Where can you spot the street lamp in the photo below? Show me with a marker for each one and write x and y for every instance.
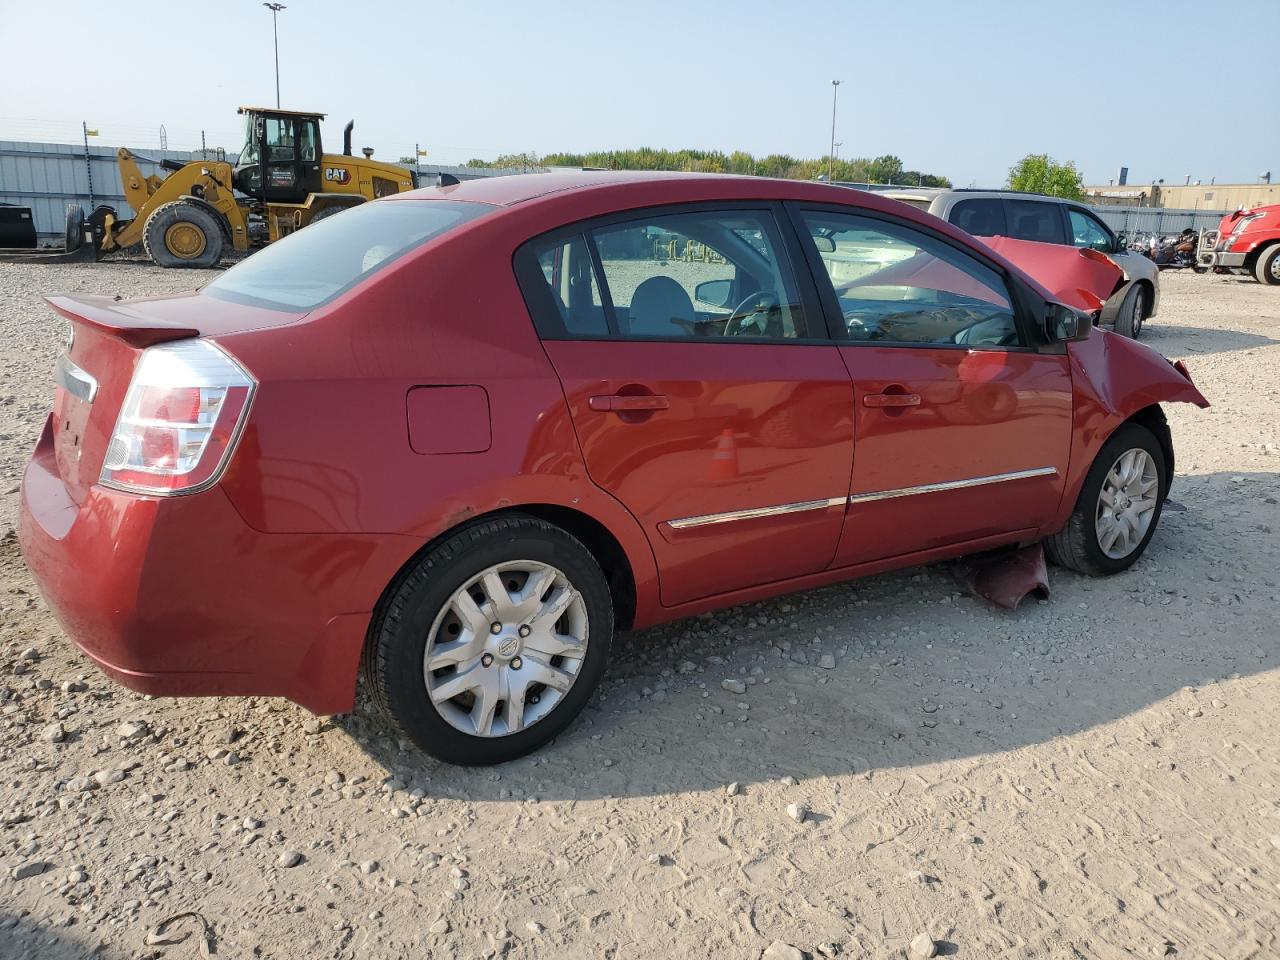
(275, 8)
(835, 88)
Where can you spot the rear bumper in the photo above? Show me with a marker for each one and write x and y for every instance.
(180, 597)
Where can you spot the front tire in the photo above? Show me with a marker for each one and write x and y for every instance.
(1118, 508)
(1132, 312)
(183, 234)
(492, 642)
(1267, 269)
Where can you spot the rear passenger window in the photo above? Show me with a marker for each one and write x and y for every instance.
(566, 268)
(706, 275)
(981, 217)
(1035, 220)
(897, 285)
(702, 275)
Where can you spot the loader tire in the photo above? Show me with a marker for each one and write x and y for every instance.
(183, 234)
(327, 212)
(74, 237)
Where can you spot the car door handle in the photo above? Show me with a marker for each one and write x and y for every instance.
(628, 402)
(891, 400)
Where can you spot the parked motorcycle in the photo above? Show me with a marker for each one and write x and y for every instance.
(1169, 251)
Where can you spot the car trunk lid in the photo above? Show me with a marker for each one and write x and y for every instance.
(108, 338)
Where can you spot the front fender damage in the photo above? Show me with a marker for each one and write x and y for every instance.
(1114, 380)
(1124, 376)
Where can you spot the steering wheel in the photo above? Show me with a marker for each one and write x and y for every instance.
(758, 302)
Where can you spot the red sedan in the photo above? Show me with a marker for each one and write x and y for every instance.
(458, 437)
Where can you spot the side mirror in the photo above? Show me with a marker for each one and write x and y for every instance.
(1122, 243)
(824, 244)
(1063, 324)
(714, 293)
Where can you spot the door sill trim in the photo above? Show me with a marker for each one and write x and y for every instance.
(951, 485)
(709, 519)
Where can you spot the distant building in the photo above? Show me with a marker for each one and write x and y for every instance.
(1201, 196)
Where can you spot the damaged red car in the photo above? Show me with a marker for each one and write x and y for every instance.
(459, 437)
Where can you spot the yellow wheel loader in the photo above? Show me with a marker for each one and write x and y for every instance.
(281, 182)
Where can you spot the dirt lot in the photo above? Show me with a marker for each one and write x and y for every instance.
(1093, 776)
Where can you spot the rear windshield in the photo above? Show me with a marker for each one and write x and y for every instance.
(309, 268)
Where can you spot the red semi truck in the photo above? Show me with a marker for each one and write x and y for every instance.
(1248, 242)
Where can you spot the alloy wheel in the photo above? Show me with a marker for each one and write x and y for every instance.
(506, 648)
(1127, 503)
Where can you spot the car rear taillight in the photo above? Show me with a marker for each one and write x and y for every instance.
(180, 419)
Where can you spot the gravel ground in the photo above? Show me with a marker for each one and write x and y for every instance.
(905, 768)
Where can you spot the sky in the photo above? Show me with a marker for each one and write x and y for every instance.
(953, 88)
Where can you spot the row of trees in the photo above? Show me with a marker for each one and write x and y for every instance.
(1034, 173)
(886, 169)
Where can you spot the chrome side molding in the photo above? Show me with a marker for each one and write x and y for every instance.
(952, 485)
(75, 381)
(805, 506)
(780, 510)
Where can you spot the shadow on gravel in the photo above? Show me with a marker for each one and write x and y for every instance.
(922, 671)
(21, 937)
(1204, 340)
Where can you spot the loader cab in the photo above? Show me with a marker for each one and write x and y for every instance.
(286, 145)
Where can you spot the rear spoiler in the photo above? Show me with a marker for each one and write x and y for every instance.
(107, 316)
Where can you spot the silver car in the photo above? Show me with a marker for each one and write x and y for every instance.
(1029, 216)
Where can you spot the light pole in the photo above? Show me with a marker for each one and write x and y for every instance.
(835, 88)
(275, 8)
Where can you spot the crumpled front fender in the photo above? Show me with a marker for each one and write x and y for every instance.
(1113, 380)
(1122, 376)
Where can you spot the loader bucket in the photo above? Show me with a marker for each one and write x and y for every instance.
(17, 227)
(79, 243)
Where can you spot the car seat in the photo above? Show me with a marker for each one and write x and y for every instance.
(656, 306)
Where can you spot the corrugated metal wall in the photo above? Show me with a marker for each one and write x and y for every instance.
(1160, 220)
(48, 176)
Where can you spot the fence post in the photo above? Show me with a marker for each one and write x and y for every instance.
(88, 164)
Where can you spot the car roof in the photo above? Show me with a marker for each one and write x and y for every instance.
(982, 194)
(535, 203)
(505, 191)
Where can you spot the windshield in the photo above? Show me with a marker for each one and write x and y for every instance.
(312, 266)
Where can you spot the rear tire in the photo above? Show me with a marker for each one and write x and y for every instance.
(74, 236)
(326, 213)
(1132, 312)
(183, 234)
(1267, 269)
(458, 633)
(1082, 545)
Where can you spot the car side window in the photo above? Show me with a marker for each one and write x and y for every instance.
(897, 285)
(980, 216)
(565, 265)
(1088, 232)
(707, 275)
(1035, 220)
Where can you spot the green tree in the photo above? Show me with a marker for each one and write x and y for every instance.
(1040, 173)
(886, 169)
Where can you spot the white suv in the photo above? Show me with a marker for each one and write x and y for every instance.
(1029, 216)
